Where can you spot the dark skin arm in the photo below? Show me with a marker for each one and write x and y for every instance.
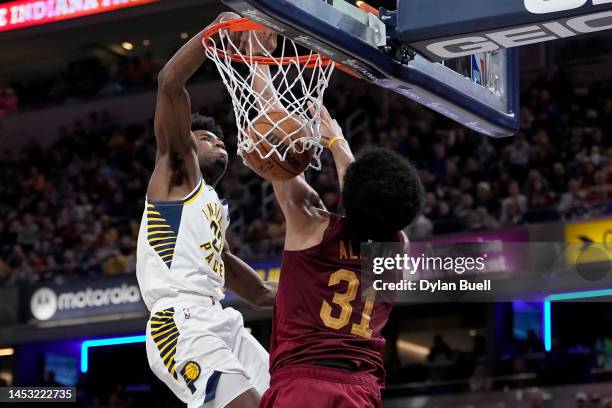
(241, 279)
(176, 165)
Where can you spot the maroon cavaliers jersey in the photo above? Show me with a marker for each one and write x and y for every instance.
(319, 312)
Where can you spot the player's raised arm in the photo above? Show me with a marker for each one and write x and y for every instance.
(176, 168)
(301, 206)
(333, 139)
(299, 202)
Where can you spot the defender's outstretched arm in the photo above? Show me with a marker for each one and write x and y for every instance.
(331, 133)
(296, 198)
(332, 137)
(299, 202)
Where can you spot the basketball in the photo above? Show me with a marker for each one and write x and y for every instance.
(271, 130)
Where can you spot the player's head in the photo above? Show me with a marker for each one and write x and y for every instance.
(212, 156)
(382, 194)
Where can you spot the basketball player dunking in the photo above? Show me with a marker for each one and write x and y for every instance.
(200, 350)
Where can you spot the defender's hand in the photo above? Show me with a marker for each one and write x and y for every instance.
(331, 132)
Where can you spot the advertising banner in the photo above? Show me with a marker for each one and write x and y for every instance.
(83, 298)
(27, 13)
(588, 234)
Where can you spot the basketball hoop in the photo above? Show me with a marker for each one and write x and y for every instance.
(291, 82)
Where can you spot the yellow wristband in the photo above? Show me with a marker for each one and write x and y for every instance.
(334, 140)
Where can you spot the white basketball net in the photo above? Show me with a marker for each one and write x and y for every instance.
(298, 83)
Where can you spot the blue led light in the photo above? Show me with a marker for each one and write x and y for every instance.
(112, 341)
(565, 296)
(547, 326)
(580, 295)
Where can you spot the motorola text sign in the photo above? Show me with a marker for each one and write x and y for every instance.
(84, 298)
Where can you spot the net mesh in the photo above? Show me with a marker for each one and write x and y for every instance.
(261, 85)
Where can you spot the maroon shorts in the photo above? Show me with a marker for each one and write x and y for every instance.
(308, 386)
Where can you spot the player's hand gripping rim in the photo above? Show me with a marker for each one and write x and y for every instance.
(249, 42)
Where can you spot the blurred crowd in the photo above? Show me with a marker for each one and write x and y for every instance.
(78, 81)
(558, 167)
(82, 80)
(75, 206)
(8, 101)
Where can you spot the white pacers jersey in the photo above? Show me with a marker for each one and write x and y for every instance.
(179, 249)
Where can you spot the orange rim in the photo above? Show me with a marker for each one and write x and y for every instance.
(244, 24)
(367, 8)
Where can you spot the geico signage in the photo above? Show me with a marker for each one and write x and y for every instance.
(554, 6)
(46, 303)
(514, 37)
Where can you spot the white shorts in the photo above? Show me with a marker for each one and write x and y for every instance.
(205, 355)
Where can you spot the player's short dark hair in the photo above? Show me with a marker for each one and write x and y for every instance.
(201, 122)
(382, 194)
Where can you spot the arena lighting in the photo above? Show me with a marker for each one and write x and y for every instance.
(9, 351)
(561, 297)
(127, 45)
(547, 327)
(146, 43)
(112, 341)
(184, 36)
(412, 348)
(28, 13)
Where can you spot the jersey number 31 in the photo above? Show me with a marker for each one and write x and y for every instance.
(344, 300)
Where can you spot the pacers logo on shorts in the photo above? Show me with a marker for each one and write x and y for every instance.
(191, 372)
